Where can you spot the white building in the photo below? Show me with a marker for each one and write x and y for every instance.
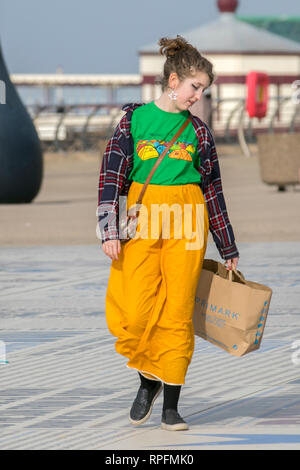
(235, 48)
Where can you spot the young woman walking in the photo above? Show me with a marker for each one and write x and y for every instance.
(153, 279)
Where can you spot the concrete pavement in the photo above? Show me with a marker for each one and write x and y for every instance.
(64, 386)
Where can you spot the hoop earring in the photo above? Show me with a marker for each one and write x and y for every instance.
(172, 95)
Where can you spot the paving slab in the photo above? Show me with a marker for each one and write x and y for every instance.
(65, 387)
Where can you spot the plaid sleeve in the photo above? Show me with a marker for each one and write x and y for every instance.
(220, 226)
(112, 181)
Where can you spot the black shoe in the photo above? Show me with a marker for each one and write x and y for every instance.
(172, 421)
(143, 403)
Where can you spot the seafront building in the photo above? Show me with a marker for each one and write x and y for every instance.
(235, 45)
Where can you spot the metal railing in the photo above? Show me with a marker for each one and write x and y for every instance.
(80, 130)
(226, 116)
(277, 118)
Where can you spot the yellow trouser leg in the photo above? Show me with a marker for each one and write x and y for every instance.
(151, 292)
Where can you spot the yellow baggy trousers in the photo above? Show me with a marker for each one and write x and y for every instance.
(151, 289)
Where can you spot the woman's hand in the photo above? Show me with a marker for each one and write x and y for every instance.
(112, 248)
(232, 263)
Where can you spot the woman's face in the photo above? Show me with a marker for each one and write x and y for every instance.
(190, 89)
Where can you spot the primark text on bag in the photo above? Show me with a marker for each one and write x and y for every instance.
(230, 311)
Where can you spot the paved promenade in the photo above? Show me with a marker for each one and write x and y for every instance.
(65, 387)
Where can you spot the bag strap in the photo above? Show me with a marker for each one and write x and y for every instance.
(237, 273)
(163, 154)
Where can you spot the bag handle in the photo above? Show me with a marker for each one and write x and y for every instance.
(162, 155)
(239, 275)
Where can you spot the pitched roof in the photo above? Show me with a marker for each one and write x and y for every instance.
(286, 26)
(228, 34)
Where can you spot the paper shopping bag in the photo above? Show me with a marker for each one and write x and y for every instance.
(230, 311)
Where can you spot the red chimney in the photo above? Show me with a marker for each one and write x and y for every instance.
(227, 6)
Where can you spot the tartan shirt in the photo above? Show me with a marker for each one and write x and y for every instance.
(117, 164)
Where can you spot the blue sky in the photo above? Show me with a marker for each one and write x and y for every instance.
(99, 36)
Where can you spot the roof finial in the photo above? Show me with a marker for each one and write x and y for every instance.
(227, 6)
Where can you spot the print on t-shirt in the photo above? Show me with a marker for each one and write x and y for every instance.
(147, 149)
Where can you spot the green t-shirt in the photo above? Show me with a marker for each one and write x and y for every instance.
(151, 129)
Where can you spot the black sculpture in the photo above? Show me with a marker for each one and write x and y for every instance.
(21, 159)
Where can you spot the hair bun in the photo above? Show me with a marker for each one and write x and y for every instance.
(170, 47)
(183, 59)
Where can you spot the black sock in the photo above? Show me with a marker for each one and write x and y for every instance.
(171, 396)
(147, 383)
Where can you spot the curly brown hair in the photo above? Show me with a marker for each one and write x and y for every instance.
(182, 58)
